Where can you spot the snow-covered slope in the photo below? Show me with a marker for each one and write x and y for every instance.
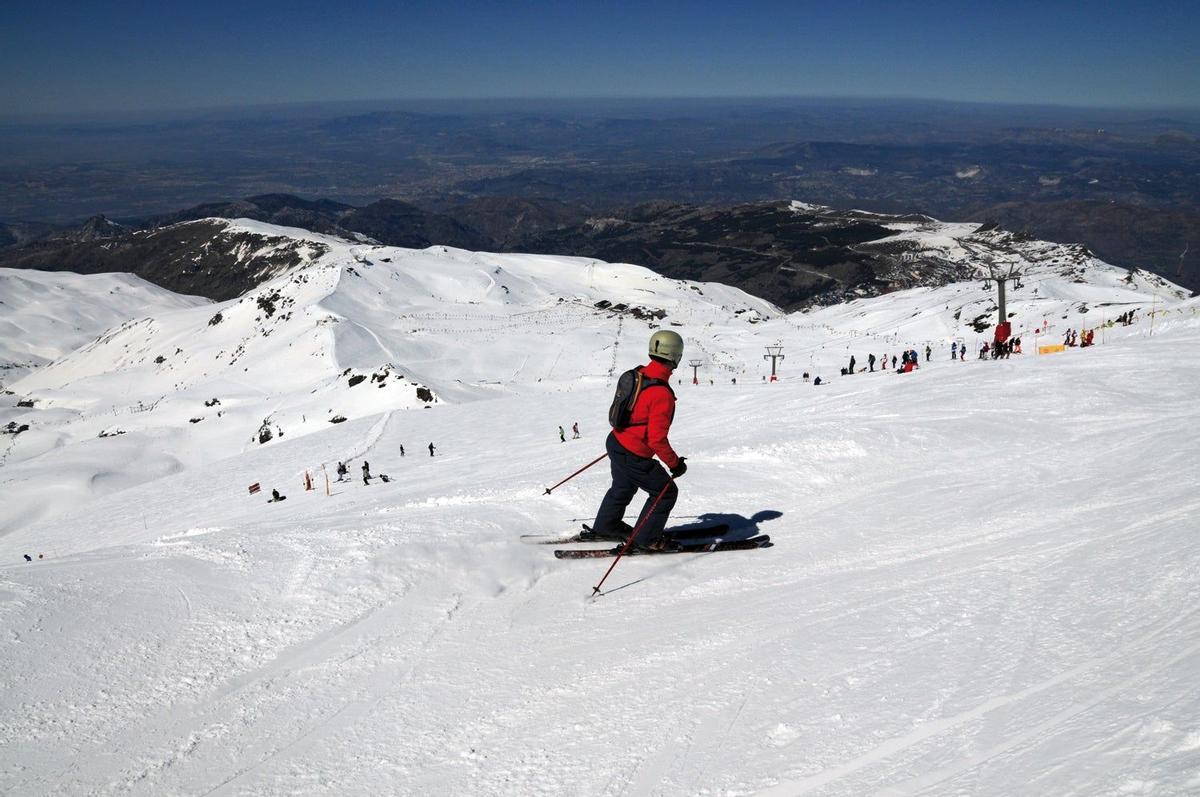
(359, 329)
(984, 581)
(45, 315)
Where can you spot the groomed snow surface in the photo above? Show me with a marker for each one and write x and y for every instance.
(985, 579)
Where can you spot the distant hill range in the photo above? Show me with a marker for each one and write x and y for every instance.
(793, 254)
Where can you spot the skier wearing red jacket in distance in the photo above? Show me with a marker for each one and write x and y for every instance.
(631, 452)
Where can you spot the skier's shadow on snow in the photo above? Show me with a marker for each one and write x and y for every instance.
(740, 526)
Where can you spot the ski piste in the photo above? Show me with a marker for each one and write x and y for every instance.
(699, 547)
(701, 532)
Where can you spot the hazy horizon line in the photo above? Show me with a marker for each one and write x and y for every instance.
(50, 117)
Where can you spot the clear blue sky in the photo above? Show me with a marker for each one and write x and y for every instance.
(103, 55)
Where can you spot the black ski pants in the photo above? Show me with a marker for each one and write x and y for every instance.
(629, 474)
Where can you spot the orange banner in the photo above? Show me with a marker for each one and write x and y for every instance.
(1054, 349)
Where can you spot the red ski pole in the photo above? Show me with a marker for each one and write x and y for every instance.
(573, 475)
(632, 536)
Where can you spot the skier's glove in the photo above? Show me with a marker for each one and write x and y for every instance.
(679, 469)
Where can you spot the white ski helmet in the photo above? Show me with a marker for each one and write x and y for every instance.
(667, 345)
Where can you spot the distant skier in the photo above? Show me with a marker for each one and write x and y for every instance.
(342, 471)
(962, 353)
(817, 381)
(928, 353)
(276, 497)
(366, 472)
(893, 361)
(575, 430)
(641, 416)
(954, 351)
(431, 449)
(402, 449)
(850, 370)
(983, 351)
(871, 362)
(562, 436)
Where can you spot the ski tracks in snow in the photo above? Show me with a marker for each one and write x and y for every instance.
(1090, 670)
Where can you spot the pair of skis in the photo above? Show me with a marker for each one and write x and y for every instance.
(695, 540)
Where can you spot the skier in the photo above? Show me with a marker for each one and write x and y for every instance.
(850, 370)
(575, 430)
(402, 449)
(431, 449)
(366, 472)
(893, 361)
(983, 351)
(633, 446)
(562, 436)
(928, 353)
(871, 362)
(962, 352)
(342, 471)
(954, 351)
(276, 497)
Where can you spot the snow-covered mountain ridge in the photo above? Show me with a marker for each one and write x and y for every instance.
(46, 315)
(353, 329)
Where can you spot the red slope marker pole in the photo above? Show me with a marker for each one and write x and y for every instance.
(632, 536)
(573, 475)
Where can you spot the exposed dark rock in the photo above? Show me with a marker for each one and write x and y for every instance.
(201, 258)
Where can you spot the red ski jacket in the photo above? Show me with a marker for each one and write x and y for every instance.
(650, 421)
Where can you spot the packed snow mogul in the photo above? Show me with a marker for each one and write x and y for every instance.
(641, 416)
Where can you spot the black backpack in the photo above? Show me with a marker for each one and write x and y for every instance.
(629, 387)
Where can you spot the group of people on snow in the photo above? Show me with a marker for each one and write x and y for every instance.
(1000, 350)
(1080, 338)
(906, 361)
(562, 435)
(343, 470)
